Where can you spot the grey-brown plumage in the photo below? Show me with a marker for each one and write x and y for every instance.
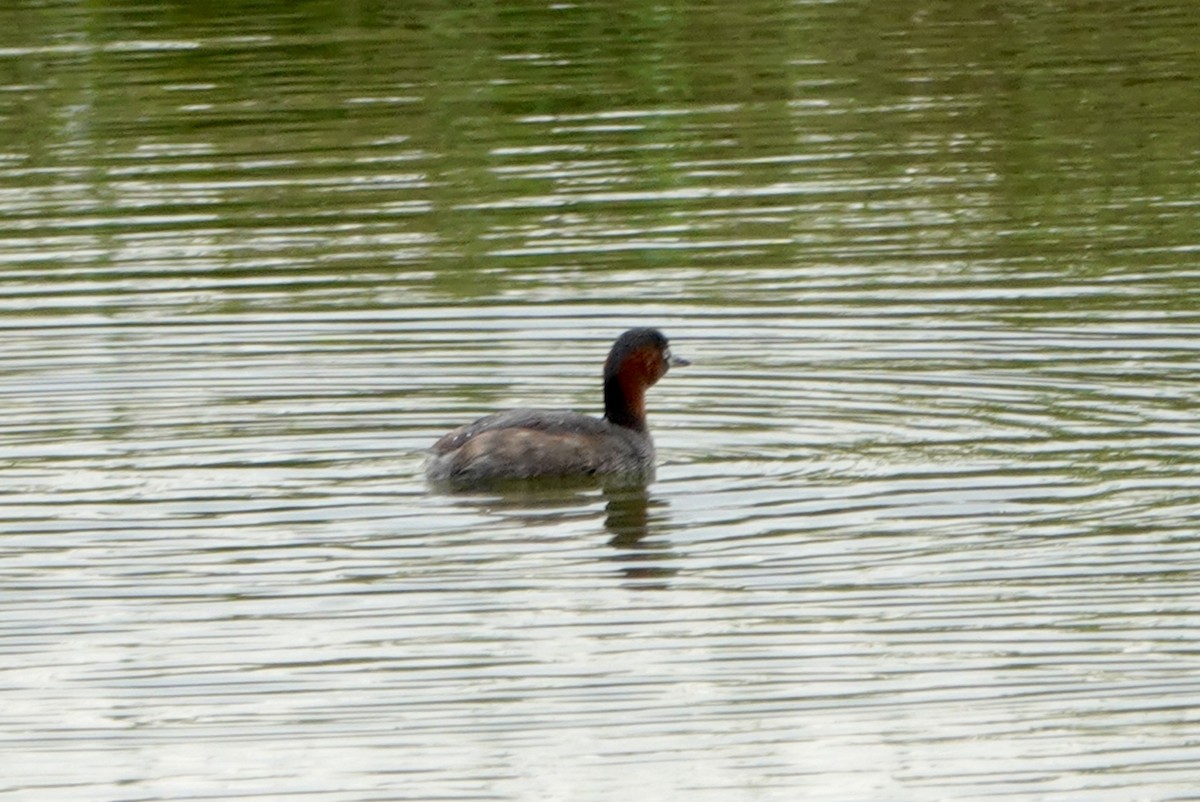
(533, 443)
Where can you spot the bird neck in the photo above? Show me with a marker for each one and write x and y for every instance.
(625, 401)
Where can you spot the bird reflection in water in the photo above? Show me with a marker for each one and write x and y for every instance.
(629, 518)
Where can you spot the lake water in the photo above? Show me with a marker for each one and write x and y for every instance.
(926, 518)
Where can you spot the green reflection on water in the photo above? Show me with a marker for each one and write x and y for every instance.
(457, 150)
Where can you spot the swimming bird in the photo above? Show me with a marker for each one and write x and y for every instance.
(524, 444)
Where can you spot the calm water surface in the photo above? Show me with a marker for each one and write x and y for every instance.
(926, 518)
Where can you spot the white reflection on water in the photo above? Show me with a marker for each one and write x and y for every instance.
(858, 578)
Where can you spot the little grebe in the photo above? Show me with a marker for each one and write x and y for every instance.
(538, 443)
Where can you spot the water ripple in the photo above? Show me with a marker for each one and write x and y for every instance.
(924, 520)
